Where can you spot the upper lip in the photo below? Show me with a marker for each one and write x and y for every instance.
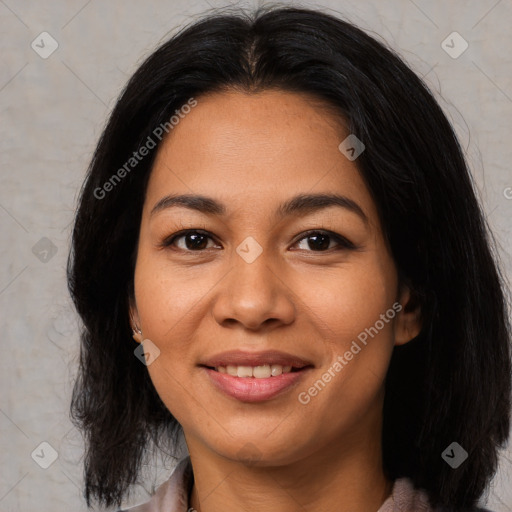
(241, 358)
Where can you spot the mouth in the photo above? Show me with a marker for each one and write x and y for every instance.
(259, 362)
(255, 377)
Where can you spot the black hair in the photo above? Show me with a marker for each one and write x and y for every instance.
(451, 383)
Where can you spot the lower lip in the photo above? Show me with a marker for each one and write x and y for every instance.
(250, 389)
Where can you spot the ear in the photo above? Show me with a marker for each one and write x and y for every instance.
(408, 320)
(135, 321)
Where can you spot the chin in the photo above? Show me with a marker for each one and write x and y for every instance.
(261, 453)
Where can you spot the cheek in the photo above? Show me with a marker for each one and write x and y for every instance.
(170, 303)
(167, 325)
(168, 298)
(343, 303)
(353, 312)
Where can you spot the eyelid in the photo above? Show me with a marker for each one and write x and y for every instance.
(340, 239)
(343, 242)
(169, 240)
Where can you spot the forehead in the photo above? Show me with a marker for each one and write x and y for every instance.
(256, 149)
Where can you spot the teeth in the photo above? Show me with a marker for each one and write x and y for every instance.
(232, 370)
(262, 372)
(258, 372)
(244, 371)
(276, 369)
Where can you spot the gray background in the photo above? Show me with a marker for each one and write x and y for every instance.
(52, 113)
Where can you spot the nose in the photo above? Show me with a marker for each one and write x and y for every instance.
(255, 296)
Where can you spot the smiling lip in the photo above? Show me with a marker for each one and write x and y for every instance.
(251, 389)
(241, 358)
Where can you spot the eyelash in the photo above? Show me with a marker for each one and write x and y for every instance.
(344, 244)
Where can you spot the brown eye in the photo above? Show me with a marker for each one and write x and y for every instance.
(320, 241)
(192, 240)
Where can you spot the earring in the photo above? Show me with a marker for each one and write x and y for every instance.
(137, 334)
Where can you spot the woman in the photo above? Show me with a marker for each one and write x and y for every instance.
(281, 213)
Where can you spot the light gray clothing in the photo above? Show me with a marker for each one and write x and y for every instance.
(172, 495)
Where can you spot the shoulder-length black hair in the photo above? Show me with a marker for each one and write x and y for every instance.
(451, 383)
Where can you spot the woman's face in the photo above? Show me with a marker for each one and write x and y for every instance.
(254, 282)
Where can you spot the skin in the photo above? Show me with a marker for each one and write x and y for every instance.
(253, 152)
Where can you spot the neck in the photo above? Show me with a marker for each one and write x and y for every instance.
(341, 478)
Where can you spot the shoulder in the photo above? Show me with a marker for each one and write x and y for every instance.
(172, 494)
(405, 496)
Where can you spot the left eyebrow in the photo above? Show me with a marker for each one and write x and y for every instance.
(309, 203)
(301, 204)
